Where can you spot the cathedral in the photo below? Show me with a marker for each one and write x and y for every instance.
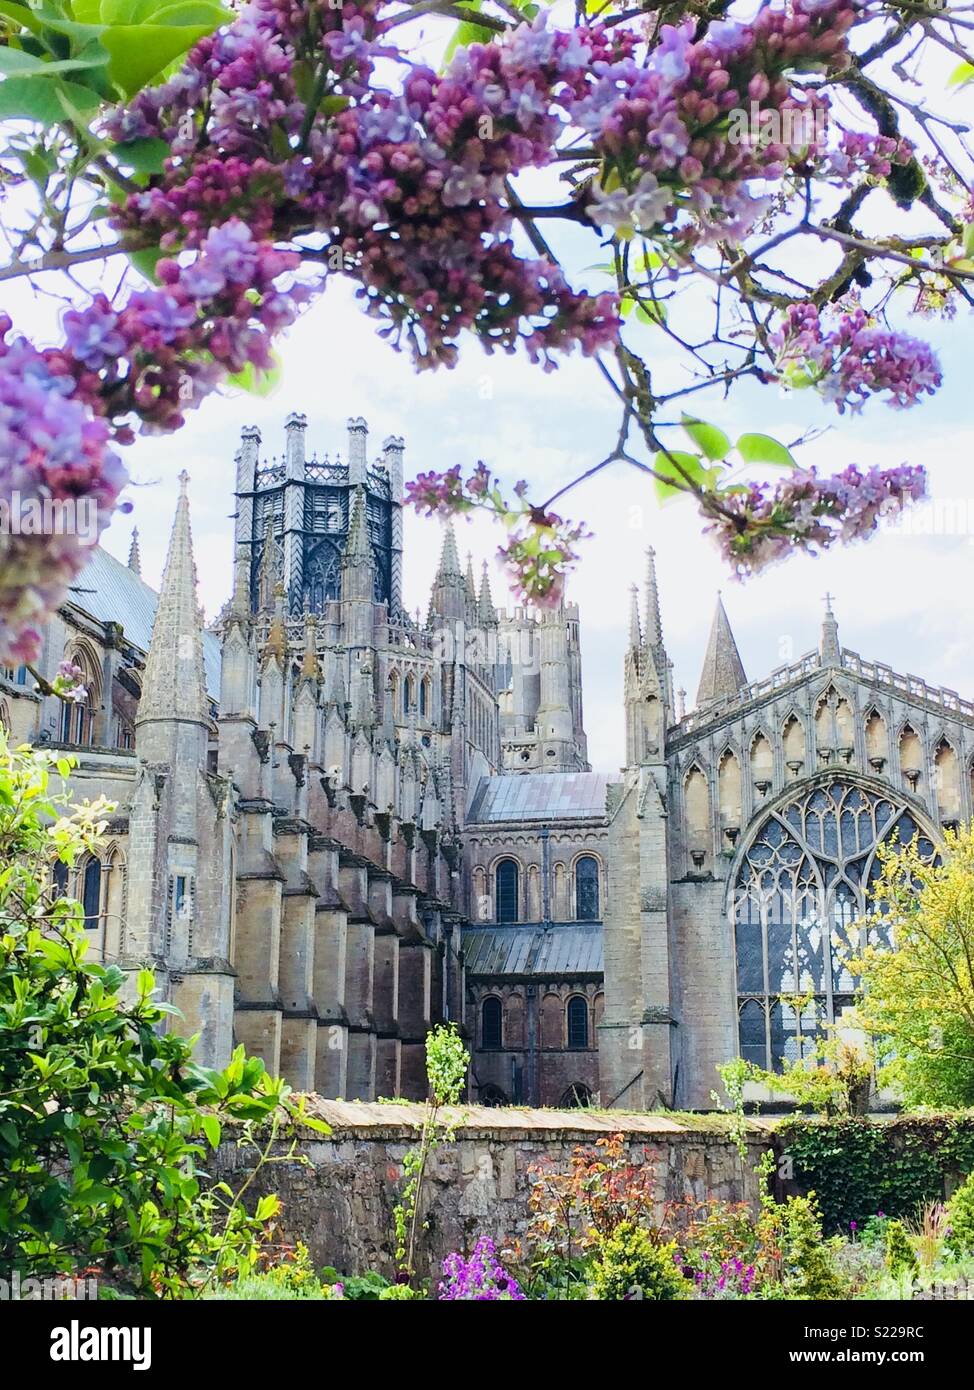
(336, 825)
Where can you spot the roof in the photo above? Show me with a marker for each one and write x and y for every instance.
(112, 593)
(558, 948)
(539, 796)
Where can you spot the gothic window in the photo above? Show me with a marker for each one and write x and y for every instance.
(492, 1095)
(424, 697)
(577, 1021)
(59, 877)
(91, 892)
(322, 579)
(587, 889)
(491, 1023)
(802, 885)
(507, 890)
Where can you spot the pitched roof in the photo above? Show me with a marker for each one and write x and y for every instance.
(560, 948)
(110, 592)
(539, 796)
(723, 671)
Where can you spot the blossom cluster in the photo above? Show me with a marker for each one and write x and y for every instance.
(481, 1278)
(764, 523)
(540, 551)
(52, 448)
(662, 126)
(853, 359)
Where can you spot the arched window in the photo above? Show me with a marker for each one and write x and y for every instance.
(77, 716)
(507, 891)
(587, 889)
(91, 893)
(424, 697)
(803, 882)
(492, 1095)
(492, 1023)
(577, 1021)
(59, 878)
(576, 1097)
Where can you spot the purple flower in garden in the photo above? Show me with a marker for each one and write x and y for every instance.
(481, 1278)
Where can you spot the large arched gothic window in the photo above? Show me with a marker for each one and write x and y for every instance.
(803, 882)
(587, 889)
(507, 890)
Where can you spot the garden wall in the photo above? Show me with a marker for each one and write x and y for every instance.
(339, 1192)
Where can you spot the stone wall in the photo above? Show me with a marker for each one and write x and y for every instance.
(338, 1192)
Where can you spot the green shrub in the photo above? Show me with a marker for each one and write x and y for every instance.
(105, 1119)
(900, 1256)
(630, 1264)
(398, 1292)
(794, 1253)
(960, 1220)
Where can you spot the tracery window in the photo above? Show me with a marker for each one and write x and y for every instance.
(803, 882)
(492, 1023)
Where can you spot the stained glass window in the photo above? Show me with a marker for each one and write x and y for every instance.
(801, 889)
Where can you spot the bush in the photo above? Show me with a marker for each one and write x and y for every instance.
(104, 1118)
(858, 1167)
(794, 1254)
(960, 1220)
(630, 1264)
(900, 1257)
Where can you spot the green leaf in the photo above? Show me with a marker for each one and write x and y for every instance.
(257, 383)
(466, 33)
(142, 156)
(211, 1128)
(761, 448)
(38, 98)
(961, 75)
(139, 52)
(693, 469)
(22, 15)
(712, 441)
(14, 60)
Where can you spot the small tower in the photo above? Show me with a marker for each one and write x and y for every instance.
(647, 675)
(135, 558)
(830, 651)
(723, 671)
(448, 598)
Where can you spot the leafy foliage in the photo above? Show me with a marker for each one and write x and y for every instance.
(960, 1219)
(858, 1167)
(919, 998)
(629, 1264)
(105, 1120)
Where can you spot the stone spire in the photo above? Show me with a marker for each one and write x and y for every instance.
(654, 628)
(831, 652)
(267, 573)
(486, 611)
(174, 689)
(470, 588)
(309, 661)
(449, 556)
(723, 671)
(135, 558)
(635, 632)
(449, 598)
(357, 550)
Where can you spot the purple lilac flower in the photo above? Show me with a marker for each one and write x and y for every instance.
(481, 1278)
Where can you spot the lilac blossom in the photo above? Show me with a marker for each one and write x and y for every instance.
(481, 1278)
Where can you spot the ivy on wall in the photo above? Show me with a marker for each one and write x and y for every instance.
(859, 1167)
